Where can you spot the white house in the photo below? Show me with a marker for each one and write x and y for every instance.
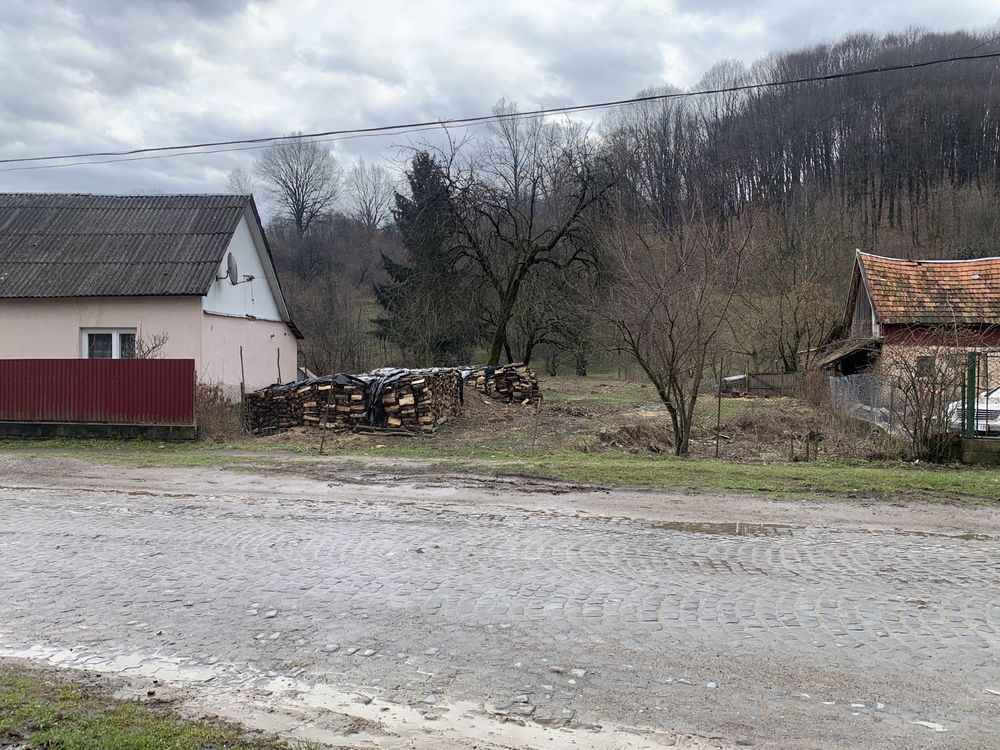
(106, 275)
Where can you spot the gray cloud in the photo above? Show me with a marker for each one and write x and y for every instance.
(116, 74)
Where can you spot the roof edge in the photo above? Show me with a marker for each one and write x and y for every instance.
(860, 254)
(245, 197)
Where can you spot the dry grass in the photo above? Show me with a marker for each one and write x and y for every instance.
(589, 415)
(218, 415)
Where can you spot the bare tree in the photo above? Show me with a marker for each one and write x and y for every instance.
(150, 346)
(302, 178)
(673, 295)
(924, 379)
(240, 183)
(792, 302)
(372, 191)
(521, 199)
(340, 337)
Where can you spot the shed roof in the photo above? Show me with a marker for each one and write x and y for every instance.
(73, 245)
(933, 292)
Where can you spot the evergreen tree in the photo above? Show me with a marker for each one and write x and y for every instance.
(427, 308)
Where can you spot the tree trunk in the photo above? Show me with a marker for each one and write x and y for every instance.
(550, 363)
(581, 364)
(499, 343)
(528, 349)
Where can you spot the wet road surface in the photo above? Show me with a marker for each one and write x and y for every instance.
(761, 634)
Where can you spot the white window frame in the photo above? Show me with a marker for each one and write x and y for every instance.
(116, 352)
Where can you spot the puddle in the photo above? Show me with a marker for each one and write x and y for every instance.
(966, 537)
(780, 529)
(728, 529)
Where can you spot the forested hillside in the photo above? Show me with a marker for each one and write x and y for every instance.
(674, 233)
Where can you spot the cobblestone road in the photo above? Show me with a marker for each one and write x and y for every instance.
(757, 633)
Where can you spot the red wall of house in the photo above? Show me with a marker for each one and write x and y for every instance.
(931, 336)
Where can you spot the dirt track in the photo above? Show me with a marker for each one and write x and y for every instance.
(363, 608)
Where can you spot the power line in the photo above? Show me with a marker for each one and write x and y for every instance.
(175, 154)
(332, 135)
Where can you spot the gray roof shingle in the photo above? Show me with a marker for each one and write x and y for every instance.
(70, 245)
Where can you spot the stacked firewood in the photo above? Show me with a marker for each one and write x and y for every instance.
(421, 399)
(339, 404)
(510, 383)
(384, 399)
(274, 408)
(394, 399)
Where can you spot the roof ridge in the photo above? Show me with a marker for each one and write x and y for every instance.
(137, 196)
(920, 261)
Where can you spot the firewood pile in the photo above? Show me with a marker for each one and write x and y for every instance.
(277, 407)
(417, 399)
(413, 400)
(336, 403)
(510, 383)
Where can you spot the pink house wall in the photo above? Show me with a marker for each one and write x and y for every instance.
(50, 328)
(262, 340)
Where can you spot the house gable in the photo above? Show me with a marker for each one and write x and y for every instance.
(256, 293)
(861, 320)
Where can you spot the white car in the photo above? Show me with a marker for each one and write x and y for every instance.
(987, 413)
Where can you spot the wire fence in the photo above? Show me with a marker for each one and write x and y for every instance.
(922, 394)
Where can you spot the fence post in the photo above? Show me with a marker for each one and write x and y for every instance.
(718, 412)
(970, 394)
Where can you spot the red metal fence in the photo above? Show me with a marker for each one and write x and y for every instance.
(113, 391)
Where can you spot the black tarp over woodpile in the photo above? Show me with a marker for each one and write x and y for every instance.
(389, 398)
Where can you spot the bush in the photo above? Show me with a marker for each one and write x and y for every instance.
(217, 412)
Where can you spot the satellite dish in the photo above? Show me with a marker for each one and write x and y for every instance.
(232, 273)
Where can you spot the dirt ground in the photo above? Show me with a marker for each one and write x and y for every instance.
(590, 414)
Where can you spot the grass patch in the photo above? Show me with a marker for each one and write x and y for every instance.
(574, 437)
(888, 481)
(147, 452)
(44, 713)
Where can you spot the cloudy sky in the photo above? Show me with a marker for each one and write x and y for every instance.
(96, 75)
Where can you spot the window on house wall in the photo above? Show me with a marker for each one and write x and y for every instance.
(925, 367)
(107, 343)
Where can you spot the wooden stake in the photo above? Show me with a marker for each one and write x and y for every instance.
(718, 411)
(243, 393)
(326, 413)
(534, 429)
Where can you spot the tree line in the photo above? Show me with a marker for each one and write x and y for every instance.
(682, 234)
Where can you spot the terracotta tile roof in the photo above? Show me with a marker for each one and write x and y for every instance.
(965, 292)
